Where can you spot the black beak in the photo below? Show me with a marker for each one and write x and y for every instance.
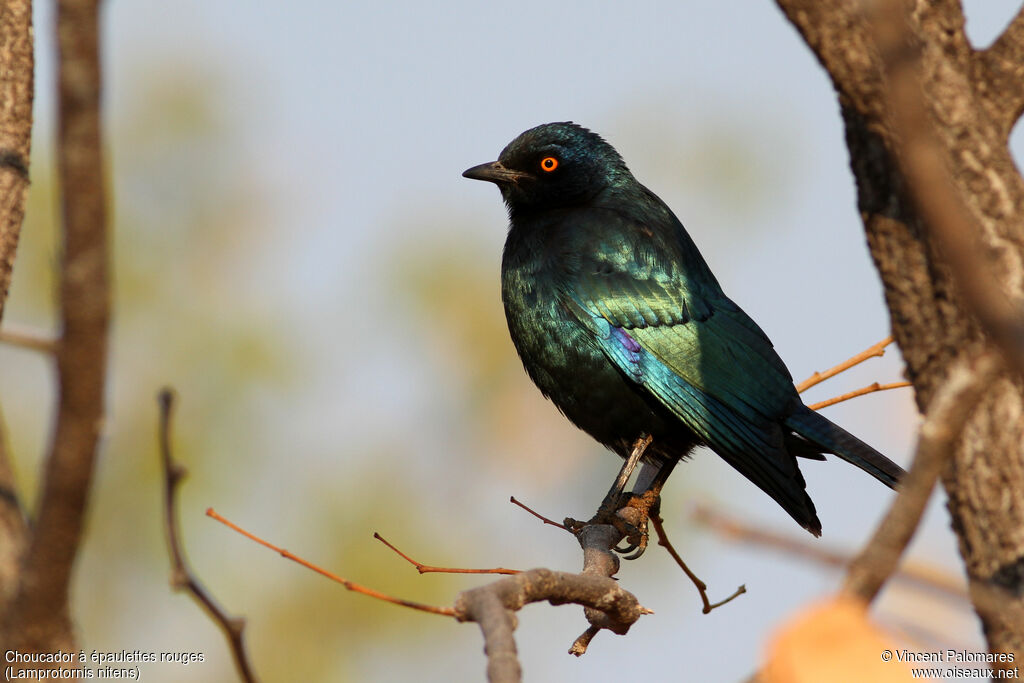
(494, 172)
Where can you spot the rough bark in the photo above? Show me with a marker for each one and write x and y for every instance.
(16, 93)
(973, 99)
(38, 618)
(16, 90)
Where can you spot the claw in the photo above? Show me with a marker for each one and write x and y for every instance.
(640, 545)
(639, 551)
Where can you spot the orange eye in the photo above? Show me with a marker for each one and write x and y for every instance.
(548, 164)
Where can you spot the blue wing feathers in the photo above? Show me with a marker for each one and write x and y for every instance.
(674, 333)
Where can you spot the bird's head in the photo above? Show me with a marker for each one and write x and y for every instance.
(551, 166)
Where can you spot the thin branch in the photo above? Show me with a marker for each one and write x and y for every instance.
(606, 604)
(872, 351)
(944, 421)
(16, 94)
(182, 576)
(31, 340)
(940, 202)
(430, 569)
(580, 646)
(869, 389)
(38, 619)
(940, 583)
(512, 499)
(702, 588)
(349, 585)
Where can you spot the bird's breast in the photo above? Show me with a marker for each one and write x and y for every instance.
(565, 362)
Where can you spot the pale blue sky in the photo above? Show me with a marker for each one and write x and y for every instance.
(361, 117)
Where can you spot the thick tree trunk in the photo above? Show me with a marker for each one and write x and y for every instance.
(973, 98)
(37, 618)
(16, 92)
(16, 89)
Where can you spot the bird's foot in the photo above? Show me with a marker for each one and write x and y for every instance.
(629, 514)
(638, 510)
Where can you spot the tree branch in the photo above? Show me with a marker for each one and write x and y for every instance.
(17, 89)
(349, 585)
(28, 339)
(873, 351)
(920, 188)
(923, 577)
(512, 499)
(182, 576)
(702, 588)
(431, 569)
(606, 604)
(16, 93)
(863, 391)
(944, 422)
(39, 618)
(493, 606)
(938, 199)
(1002, 64)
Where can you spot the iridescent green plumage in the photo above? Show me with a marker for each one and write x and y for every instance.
(620, 322)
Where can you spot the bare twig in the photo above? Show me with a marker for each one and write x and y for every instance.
(580, 645)
(349, 585)
(869, 389)
(702, 588)
(31, 340)
(944, 421)
(182, 576)
(493, 606)
(924, 163)
(872, 351)
(38, 619)
(940, 583)
(16, 93)
(512, 499)
(429, 569)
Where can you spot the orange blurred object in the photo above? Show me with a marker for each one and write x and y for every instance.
(834, 642)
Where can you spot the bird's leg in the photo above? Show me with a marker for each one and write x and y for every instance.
(612, 501)
(632, 525)
(646, 499)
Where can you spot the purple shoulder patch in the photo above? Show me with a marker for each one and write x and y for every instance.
(623, 338)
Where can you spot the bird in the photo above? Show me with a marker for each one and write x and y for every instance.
(619, 321)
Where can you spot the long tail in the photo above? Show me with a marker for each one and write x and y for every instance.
(832, 438)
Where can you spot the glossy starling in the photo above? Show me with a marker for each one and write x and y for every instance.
(620, 322)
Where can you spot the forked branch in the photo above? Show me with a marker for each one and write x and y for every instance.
(430, 569)
(182, 576)
(873, 351)
(493, 606)
(38, 618)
